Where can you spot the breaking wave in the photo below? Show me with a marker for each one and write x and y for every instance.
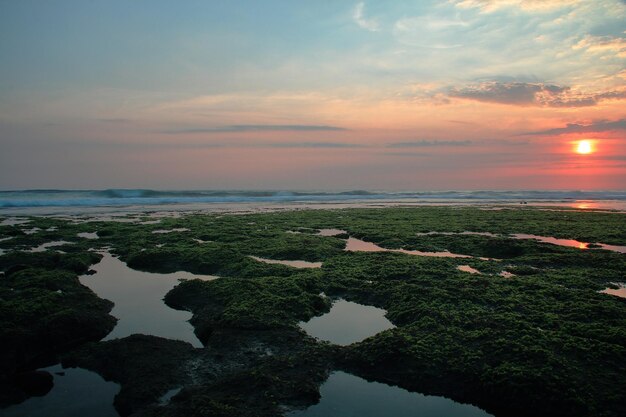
(128, 197)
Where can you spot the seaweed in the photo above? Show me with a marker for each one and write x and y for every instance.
(543, 338)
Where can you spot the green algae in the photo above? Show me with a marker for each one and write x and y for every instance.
(45, 311)
(544, 337)
(263, 303)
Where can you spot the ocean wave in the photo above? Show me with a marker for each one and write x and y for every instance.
(124, 197)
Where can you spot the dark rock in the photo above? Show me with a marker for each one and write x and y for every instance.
(15, 268)
(35, 383)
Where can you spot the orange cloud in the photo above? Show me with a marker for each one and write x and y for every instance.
(603, 44)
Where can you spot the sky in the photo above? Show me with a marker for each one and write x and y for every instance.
(313, 95)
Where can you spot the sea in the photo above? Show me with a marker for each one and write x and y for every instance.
(27, 202)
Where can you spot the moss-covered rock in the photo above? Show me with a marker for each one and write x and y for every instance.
(44, 311)
(543, 339)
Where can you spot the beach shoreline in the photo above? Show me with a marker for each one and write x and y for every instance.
(174, 209)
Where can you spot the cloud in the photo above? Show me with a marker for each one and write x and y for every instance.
(584, 100)
(488, 6)
(613, 158)
(256, 128)
(615, 46)
(429, 143)
(318, 145)
(507, 93)
(312, 145)
(115, 120)
(430, 31)
(358, 15)
(207, 144)
(532, 94)
(600, 126)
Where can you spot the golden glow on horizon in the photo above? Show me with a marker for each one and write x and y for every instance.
(583, 205)
(584, 147)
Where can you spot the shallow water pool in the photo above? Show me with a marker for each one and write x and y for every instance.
(619, 292)
(76, 392)
(294, 264)
(345, 395)
(44, 247)
(358, 245)
(569, 242)
(347, 323)
(331, 232)
(138, 298)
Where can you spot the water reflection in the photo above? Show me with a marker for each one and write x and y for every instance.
(347, 395)
(466, 233)
(138, 300)
(166, 231)
(585, 205)
(619, 292)
(347, 323)
(331, 232)
(165, 398)
(200, 241)
(87, 235)
(14, 221)
(358, 245)
(294, 264)
(76, 393)
(554, 241)
(569, 242)
(44, 247)
(467, 268)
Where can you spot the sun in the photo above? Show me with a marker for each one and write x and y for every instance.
(584, 147)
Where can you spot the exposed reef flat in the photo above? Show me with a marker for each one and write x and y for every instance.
(44, 311)
(542, 339)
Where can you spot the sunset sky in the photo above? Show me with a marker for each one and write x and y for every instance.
(395, 95)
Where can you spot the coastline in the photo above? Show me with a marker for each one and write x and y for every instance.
(259, 207)
(74, 202)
